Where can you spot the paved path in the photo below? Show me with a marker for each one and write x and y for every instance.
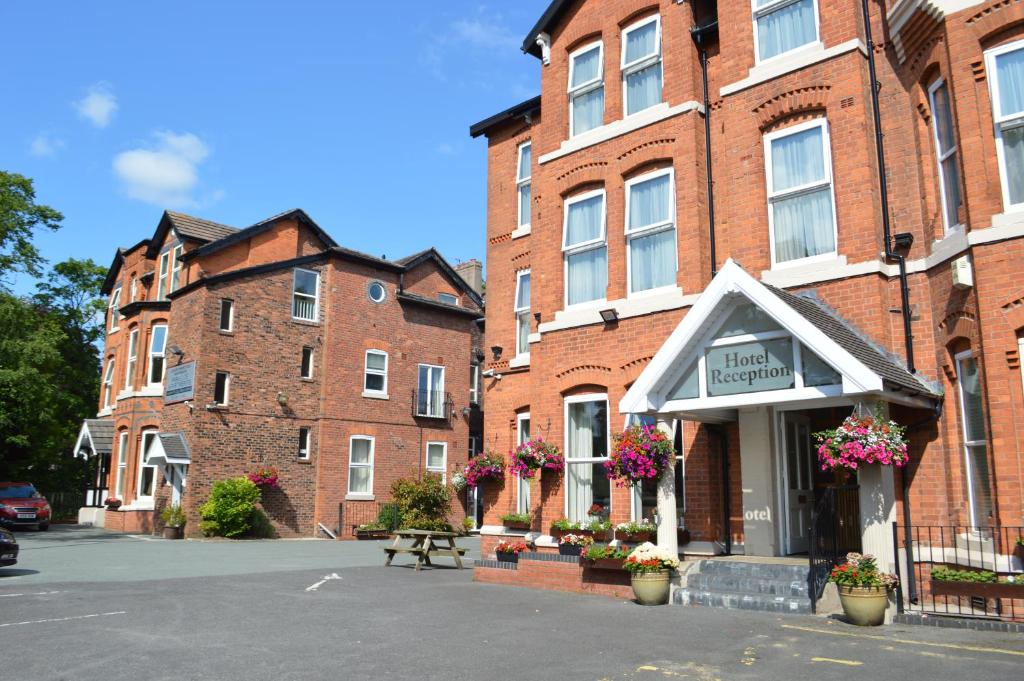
(342, 616)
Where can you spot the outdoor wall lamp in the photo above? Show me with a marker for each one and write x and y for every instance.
(175, 350)
(496, 351)
(282, 399)
(903, 240)
(610, 316)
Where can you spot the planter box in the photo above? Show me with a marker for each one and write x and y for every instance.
(605, 564)
(639, 538)
(516, 526)
(174, 533)
(979, 589)
(568, 550)
(506, 557)
(372, 534)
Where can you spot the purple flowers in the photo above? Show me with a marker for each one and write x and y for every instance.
(490, 466)
(533, 455)
(640, 453)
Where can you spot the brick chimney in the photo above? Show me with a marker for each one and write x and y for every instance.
(473, 272)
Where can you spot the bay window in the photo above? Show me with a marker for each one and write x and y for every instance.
(375, 377)
(522, 312)
(133, 358)
(147, 471)
(1005, 67)
(641, 65)
(781, 26)
(122, 464)
(801, 213)
(650, 231)
(523, 174)
(360, 464)
(586, 88)
(430, 397)
(108, 383)
(972, 418)
(586, 450)
(945, 148)
(585, 247)
(305, 295)
(157, 345)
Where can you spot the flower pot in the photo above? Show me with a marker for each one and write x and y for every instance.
(638, 538)
(569, 550)
(506, 557)
(512, 525)
(174, 532)
(977, 589)
(864, 605)
(651, 588)
(605, 564)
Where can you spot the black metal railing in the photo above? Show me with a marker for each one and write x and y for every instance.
(990, 549)
(432, 404)
(832, 535)
(352, 514)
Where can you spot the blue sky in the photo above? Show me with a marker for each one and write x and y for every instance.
(234, 111)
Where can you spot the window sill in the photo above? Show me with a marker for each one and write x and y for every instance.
(106, 411)
(303, 459)
(360, 497)
(669, 299)
(519, 361)
(226, 333)
(787, 63)
(520, 232)
(307, 379)
(371, 395)
(305, 322)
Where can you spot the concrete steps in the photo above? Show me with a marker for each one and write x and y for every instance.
(743, 585)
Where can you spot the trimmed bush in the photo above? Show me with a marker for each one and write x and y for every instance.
(423, 504)
(230, 510)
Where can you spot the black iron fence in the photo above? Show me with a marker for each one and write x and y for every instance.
(831, 535)
(432, 404)
(962, 570)
(353, 514)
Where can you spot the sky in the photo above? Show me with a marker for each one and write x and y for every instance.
(357, 112)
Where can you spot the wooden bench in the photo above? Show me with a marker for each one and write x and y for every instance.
(424, 545)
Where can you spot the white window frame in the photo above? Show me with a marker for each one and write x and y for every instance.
(162, 354)
(522, 314)
(316, 296)
(443, 470)
(373, 444)
(448, 298)
(227, 388)
(523, 182)
(1000, 121)
(140, 498)
(163, 275)
(641, 63)
(474, 384)
(176, 268)
(115, 303)
(108, 382)
(582, 247)
(121, 476)
(307, 372)
(303, 453)
(826, 142)
(133, 357)
(367, 392)
(231, 315)
(133, 289)
(771, 7)
(941, 156)
(523, 501)
(587, 87)
(648, 230)
(432, 389)
(576, 399)
(968, 444)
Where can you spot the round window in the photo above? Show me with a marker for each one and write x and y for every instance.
(377, 292)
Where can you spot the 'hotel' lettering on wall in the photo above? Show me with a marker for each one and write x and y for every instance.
(750, 367)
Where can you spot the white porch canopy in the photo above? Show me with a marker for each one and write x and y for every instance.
(170, 451)
(96, 436)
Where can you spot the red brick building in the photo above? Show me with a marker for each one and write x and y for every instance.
(698, 183)
(229, 349)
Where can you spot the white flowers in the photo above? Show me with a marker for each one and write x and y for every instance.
(648, 551)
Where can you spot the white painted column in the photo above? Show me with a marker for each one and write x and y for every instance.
(877, 514)
(667, 537)
(760, 531)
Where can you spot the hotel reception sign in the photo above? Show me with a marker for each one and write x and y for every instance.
(180, 383)
(750, 367)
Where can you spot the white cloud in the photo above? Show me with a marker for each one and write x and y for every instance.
(483, 33)
(44, 145)
(98, 105)
(165, 173)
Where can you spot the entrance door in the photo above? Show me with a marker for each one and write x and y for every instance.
(798, 465)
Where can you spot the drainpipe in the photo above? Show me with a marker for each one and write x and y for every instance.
(699, 34)
(902, 240)
(908, 539)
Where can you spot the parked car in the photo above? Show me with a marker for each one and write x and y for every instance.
(8, 548)
(22, 506)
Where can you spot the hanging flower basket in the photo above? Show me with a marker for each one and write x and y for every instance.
(862, 440)
(640, 454)
(534, 455)
(488, 466)
(265, 476)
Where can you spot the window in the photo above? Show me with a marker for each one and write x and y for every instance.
(784, 25)
(474, 384)
(586, 449)
(304, 443)
(307, 362)
(165, 268)
(641, 65)
(360, 464)
(800, 206)
(474, 446)
(522, 312)
(437, 459)
(108, 383)
(522, 484)
(158, 342)
(376, 292)
(176, 267)
(586, 89)
(376, 377)
(227, 315)
(221, 386)
(430, 395)
(650, 231)
(523, 173)
(448, 298)
(972, 416)
(305, 287)
(122, 464)
(945, 147)
(1005, 66)
(585, 248)
(133, 357)
(115, 303)
(133, 289)
(147, 471)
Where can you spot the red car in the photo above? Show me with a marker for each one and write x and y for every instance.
(22, 506)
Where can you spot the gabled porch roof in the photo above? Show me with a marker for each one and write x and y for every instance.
(96, 435)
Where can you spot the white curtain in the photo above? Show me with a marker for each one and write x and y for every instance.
(1013, 151)
(588, 111)
(642, 42)
(585, 221)
(649, 202)
(652, 261)
(950, 171)
(524, 203)
(586, 67)
(580, 490)
(798, 159)
(643, 89)
(1010, 71)
(523, 292)
(522, 333)
(803, 225)
(587, 276)
(525, 154)
(786, 28)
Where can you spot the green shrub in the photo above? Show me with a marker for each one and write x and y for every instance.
(565, 525)
(390, 517)
(423, 504)
(261, 527)
(944, 574)
(231, 508)
(173, 516)
(519, 518)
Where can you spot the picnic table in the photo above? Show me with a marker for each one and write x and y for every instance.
(425, 543)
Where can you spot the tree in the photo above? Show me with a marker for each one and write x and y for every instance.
(20, 217)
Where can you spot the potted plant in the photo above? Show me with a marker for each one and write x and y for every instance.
(605, 557)
(458, 481)
(651, 567)
(861, 440)
(487, 466)
(863, 589)
(637, 532)
(174, 522)
(573, 544)
(1018, 552)
(535, 455)
(376, 530)
(112, 503)
(639, 454)
(508, 552)
(563, 525)
(516, 521)
(599, 529)
(977, 583)
(265, 476)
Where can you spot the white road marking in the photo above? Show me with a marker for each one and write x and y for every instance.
(142, 537)
(327, 578)
(64, 619)
(35, 593)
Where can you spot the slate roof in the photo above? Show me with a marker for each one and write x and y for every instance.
(176, 449)
(891, 369)
(101, 434)
(198, 229)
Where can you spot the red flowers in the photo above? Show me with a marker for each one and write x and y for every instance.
(533, 455)
(640, 453)
(265, 476)
(489, 466)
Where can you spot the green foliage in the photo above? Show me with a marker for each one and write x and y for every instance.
(424, 503)
(599, 526)
(565, 525)
(599, 551)
(20, 217)
(261, 528)
(516, 518)
(389, 516)
(944, 574)
(371, 527)
(173, 516)
(231, 508)
(467, 525)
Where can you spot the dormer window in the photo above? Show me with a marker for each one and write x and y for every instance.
(586, 88)
(641, 65)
